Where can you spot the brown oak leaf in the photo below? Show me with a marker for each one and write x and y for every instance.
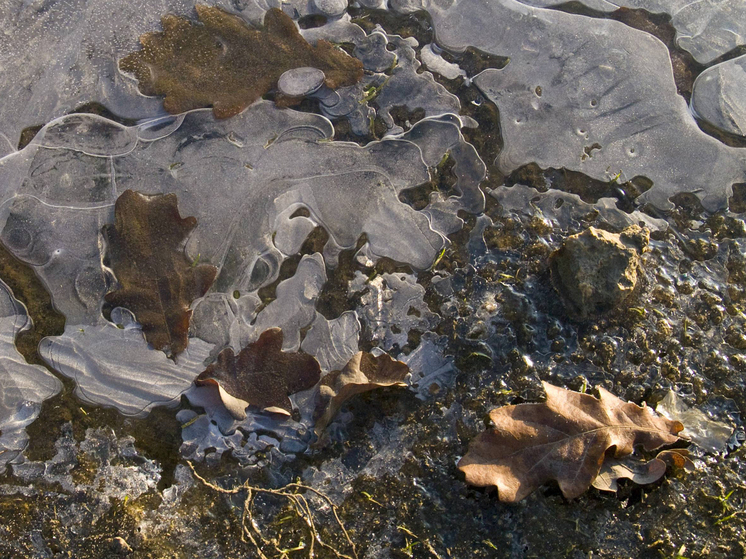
(565, 438)
(362, 373)
(261, 375)
(223, 63)
(157, 282)
(639, 470)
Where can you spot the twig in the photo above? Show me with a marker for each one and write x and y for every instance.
(300, 505)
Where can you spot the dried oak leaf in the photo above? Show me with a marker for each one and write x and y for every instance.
(565, 438)
(157, 282)
(223, 63)
(639, 470)
(362, 373)
(261, 375)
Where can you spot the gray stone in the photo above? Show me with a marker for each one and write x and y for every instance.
(300, 82)
(331, 8)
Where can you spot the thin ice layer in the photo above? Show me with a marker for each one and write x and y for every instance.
(394, 80)
(590, 95)
(442, 135)
(60, 55)
(706, 28)
(434, 62)
(114, 367)
(267, 160)
(236, 324)
(294, 307)
(264, 171)
(24, 386)
(208, 436)
(719, 95)
(390, 306)
(333, 342)
(564, 209)
(430, 370)
(407, 87)
(244, 180)
(119, 471)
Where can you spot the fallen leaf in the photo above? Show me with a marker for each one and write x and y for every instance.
(711, 436)
(362, 373)
(223, 63)
(639, 470)
(261, 375)
(157, 282)
(565, 438)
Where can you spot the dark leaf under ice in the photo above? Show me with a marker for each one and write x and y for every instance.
(261, 375)
(225, 64)
(157, 282)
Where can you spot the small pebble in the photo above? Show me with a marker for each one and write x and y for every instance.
(331, 8)
(300, 82)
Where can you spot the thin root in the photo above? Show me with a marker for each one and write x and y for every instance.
(250, 532)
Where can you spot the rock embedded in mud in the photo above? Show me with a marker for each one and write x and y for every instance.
(595, 271)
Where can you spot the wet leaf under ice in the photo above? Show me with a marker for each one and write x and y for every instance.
(157, 282)
(261, 375)
(225, 64)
